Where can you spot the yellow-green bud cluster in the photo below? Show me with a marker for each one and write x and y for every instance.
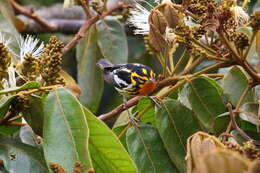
(56, 168)
(241, 41)
(5, 60)
(30, 67)
(51, 62)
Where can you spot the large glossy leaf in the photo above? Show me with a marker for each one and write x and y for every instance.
(234, 83)
(89, 76)
(205, 97)
(28, 85)
(65, 130)
(175, 124)
(107, 153)
(34, 115)
(146, 148)
(19, 157)
(112, 40)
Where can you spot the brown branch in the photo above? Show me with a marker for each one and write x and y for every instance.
(235, 126)
(32, 15)
(65, 26)
(88, 23)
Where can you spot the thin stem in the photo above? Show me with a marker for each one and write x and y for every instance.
(235, 126)
(139, 115)
(239, 103)
(192, 66)
(244, 5)
(242, 97)
(85, 5)
(250, 44)
(180, 61)
(203, 46)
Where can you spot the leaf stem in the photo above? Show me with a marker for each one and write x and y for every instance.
(250, 44)
(235, 126)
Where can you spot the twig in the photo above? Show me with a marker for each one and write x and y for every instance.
(137, 117)
(39, 89)
(32, 15)
(250, 44)
(14, 123)
(239, 103)
(85, 5)
(66, 26)
(235, 126)
(88, 23)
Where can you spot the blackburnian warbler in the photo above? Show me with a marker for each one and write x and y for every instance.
(128, 79)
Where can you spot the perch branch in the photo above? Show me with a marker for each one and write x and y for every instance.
(32, 15)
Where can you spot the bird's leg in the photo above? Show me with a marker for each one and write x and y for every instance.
(130, 116)
(157, 101)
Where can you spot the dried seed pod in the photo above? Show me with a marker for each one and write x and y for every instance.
(169, 12)
(198, 145)
(157, 19)
(156, 39)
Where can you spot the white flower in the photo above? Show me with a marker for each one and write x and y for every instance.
(29, 45)
(241, 17)
(11, 82)
(139, 18)
(3, 39)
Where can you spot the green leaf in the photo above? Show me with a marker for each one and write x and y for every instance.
(19, 157)
(234, 83)
(28, 85)
(34, 115)
(175, 124)
(250, 113)
(118, 130)
(149, 115)
(112, 40)
(89, 76)
(182, 61)
(146, 148)
(107, 153)
(10, 129)
(65, 130)
(5, 103)
(205, 97)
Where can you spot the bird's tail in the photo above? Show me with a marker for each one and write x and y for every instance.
(104, 63)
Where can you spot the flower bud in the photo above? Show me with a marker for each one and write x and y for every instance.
(157, 19)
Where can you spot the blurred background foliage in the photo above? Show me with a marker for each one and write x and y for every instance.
(156, 141)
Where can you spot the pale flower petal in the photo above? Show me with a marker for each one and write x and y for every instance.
(30, 45)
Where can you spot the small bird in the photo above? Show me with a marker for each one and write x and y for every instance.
(128, 79)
